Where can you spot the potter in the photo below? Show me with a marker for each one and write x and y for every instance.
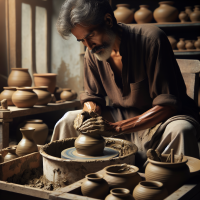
(135, 67)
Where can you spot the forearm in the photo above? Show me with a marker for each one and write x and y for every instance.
(92, 107)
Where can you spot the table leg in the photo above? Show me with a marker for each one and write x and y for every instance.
(4, 133)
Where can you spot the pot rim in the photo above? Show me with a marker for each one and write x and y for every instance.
(10, 88)
(155, 184)
(25, 88)
(121, 191)
(166, 2)
(40, 87)
(98, 176)
(45, 74)
(27, 129)
(123, 5)
(144, 6)
(66, 89)
(34, 121)
(21, 69)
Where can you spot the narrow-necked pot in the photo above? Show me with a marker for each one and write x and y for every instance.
(181, 44)
(183, 16)
(195, 15)
(143, 15)
(197, 43)
(44, 96)
(7, 94)
(188, 10)
(11, 154)
(67, 94)
(189, 45)
(119, 194)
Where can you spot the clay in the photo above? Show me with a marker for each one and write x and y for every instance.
(48, 79)
(149, 190)
(189, 45)
(44, 96)
(19, 77)
(11, 154)
(195, 15)
(166, 12)
(188, 10)
(197, 43)
(4, 105)
(123, 13)
(143, 15)
(95, 186)
(183, 16)
(151, 154)
(1, 158)
(7, 94)
(24, 97)
(172, 41)
(67, 95)
(181, 44)
(27, 145)
(119, 194)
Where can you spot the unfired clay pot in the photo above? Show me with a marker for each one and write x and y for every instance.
(189, 45)
(143, 15)
(195, 15)
(172, 41)
(24, 97)
(188, 10)
(1, 159)
(90, 144)
(181, 44)
(166, 12)
(19, 77)
(27, 144)
(172, 175)
(183, 16)
(47, 79)
(150, 190)
(123, 13)
(119, 176)
(95, 186)
(44, 96)
(67, 94)
(197, 43)
(119, 194)
(11, 154)
(7, 94)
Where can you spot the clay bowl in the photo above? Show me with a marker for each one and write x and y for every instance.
(67, 94)
(119, 194)
(7, 94)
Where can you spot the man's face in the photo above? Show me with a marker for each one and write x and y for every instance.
(97, 39)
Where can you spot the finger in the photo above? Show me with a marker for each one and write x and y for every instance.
(92, 127)
(89, 120)
(92, 123)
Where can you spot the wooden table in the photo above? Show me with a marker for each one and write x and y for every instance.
(7, 116)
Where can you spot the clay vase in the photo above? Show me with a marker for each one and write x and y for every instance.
(24, 97)
(189, 45)
(188, 10)
(122, 176)
(172, 175)
(197, 43)
(172, 41)
(11, 154)
(44, 96)
(67, 94)
(1, 158)
(90, 144)
(95, 186)
(143, 15)
(47, 79)
(195, 15)
(7, 94)
(181, 44)
(119, 194)
(149, 190)
(123, 13)
(27, 145)
(19, 77)
(41, 130)
(166, 12)
(183, 16)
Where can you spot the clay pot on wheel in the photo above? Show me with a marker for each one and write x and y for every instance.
(27, 145)
(7, 94)
(19, 77)
(189, 45)
(11, 154)
(24, 97)
(172, 41)
(195, 15)
(166, 12)
(143, 15)
(183, 16)
(188, 10)
(181, 44)
(149, 190)
(67, 94)
(95, 186)
(123, 13)
(125, 176)
(197, 43)
(44, 96)
(119, 194)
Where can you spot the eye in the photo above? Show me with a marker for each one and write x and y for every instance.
(91, 35)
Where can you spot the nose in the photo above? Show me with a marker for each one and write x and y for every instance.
(89, 44)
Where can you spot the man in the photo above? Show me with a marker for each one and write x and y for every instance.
(135, 67)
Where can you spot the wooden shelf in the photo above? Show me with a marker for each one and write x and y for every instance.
(191, 52)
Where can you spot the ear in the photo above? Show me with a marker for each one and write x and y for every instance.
(108, 20)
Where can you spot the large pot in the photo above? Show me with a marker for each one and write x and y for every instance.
(44, 96)
(195, 15)
(7, 94)
(143, 15)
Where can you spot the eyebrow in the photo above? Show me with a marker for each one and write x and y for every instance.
(79, 40)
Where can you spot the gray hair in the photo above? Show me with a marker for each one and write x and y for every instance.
(85, 12)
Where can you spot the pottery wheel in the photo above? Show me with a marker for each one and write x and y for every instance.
(72, 154)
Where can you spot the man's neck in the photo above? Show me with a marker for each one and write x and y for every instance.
(116, 47)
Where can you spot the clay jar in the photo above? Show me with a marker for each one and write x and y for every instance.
(195, 15)
(172, 175)
(123, 13)
(27, 145)
(183, 16)
(189, 45)
(181, 44)
(188, 10)
(197, 43)
(90, 144)
(143, 15)
(41, 130)
(95, 186)
(46, 79)
(19, 77)
(67, 94)
(7, 94)
(149, 190)
(166, 12)
(11, 154)
(122, 176)
(172, 41)
(24, 97)
(119, 194)
(44, 96)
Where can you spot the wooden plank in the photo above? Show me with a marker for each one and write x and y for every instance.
(189, 66)
(4, 134)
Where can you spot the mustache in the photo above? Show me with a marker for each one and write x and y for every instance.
(97, 48)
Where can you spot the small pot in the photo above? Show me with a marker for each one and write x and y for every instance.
(172, 41)
(197, 43)
(195, 15)
(183, 16)
(44, 96)
(11, 154)
(95, 186)
(7, 94)
(119, 194)
(67, 94)
(181, 44)
(188, 10)
(143, 15)
(189, 45)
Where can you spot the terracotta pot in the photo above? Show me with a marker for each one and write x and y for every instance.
(188, 10)
(181, 44)
(44, 96)
(11, 154)
(197, 43)
(172, 41)
(143, 15)
(183, 16)
(189, 45)
(19, 77)
(195, 15)
(172, 175)
(119, 194)
(67, 95)
(48, 79)
(125, 176)
(1, 158)
(166, 12)
(7, 94)
(95, 186)
(123, 13)
(90, 144)
(27, 145)
(24, 97)
(149, 190)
